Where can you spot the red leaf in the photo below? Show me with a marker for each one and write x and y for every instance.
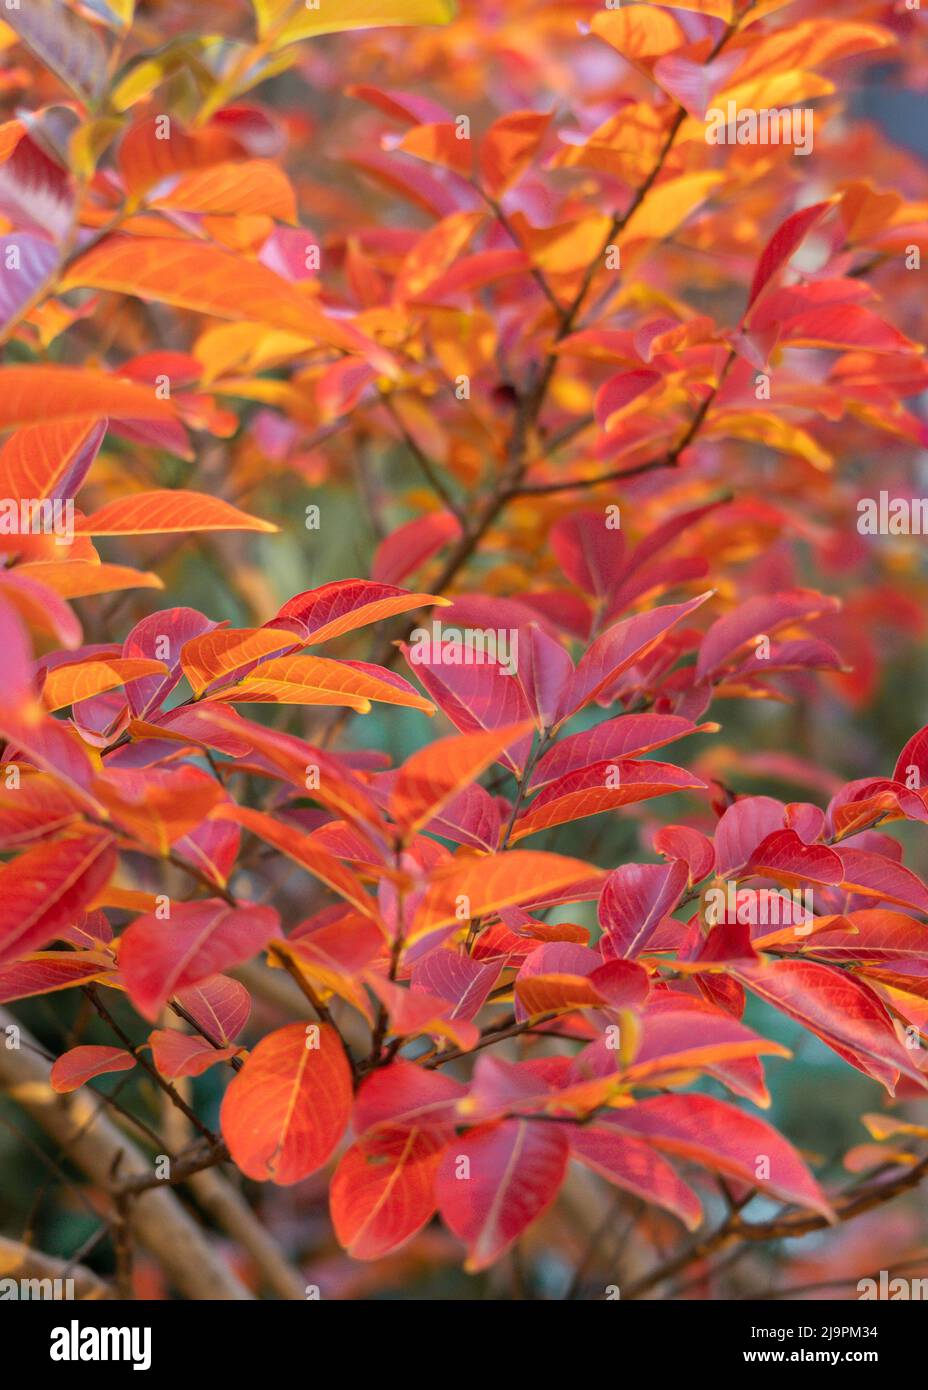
(43, 890)
(743, 826)
(761, 615)
(403, 1094)
(321, 614)
(913, 756)
(44, 972)
(459, 979)
(635, 898)
(81, 1064)
(783, 855)
(628, 736)
(839, 1010)
(602, 787)
(589, 552)
(618, 648)
(218, 1005)
(783, 243)
(845, 326)
(680, 842)
(717, 1135)
(474, 697)
(870, 935)
(618, 392)
(681, 1033)
(409, 546)
(635, 1167)
(878, 877)
(496, 1180)
(557, 976)
(157, 958)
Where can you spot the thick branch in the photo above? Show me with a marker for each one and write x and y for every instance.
(20, 1261)
(95, 1145)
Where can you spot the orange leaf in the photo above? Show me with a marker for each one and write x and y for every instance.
(300, 848)
(193, 276)
(183, 1054)
(158, 805)
(639, 32)
(34, 461)
(227, 649)
(286, 1110)
(65, 685)
(477, 884)
(248, 187)
(509, 147)
(440, 144)
(168, 510)
(432, 776)
(81, 579)
(317, 680)
(33, 395)
(383, 1190)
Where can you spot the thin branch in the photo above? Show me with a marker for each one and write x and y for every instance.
(137, 1050)
(196, 1159)
(502, 218)
(853, 1203)
(429, 470)
(488, 1039)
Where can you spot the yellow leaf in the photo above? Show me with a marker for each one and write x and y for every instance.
(774, 91)
(668, 205)
(290, 22)
(89, 142)
(775, 433)
(249, 347)
(566, 247)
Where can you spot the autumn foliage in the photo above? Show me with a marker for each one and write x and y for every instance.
(434, 623)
